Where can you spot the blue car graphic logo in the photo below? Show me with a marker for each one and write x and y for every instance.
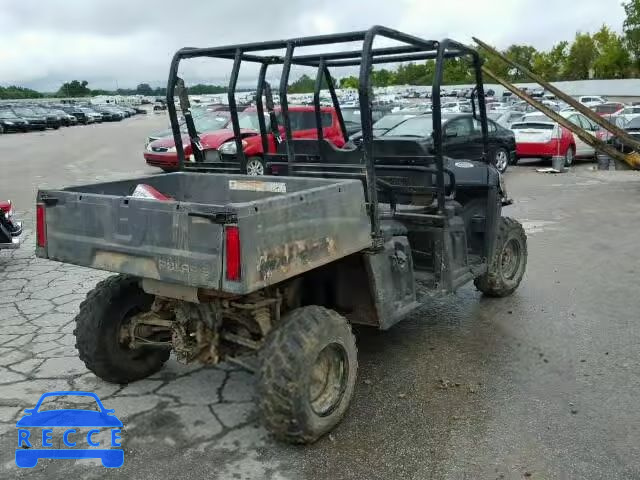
(31, 448)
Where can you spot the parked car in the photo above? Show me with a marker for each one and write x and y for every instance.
(108, 113)
(80, 115)
(220, 145)
(462, 137)
(538, 136)
(36, 122)
(606, 135)
(455, 107)
(632, 128)
(91, 113)
(629, 112)
(351, 117)
(505, 118)
(591, 101)
(53, 121)
(10, 122)
(608, 108)
(159, 105)
(67, 119)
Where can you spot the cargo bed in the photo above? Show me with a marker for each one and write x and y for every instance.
(286, 226)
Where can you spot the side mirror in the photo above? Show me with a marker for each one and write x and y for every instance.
(450, 133)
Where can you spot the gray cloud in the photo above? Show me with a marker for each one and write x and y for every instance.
(125, 42)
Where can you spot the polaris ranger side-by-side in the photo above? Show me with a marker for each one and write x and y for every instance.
(218, 266)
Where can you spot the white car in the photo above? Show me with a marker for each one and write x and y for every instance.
(455, 107)
(582, 149)
(629, 113)
(591, 101)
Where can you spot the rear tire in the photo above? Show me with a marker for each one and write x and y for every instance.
(569, 156)
(501, 159)
(307, 374)
(105, 310)
(509, 261)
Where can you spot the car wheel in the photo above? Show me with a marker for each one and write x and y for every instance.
(108, 308)
(569, 156)
(307, 375)
(254, 166)
(509, 262)
(501, 159)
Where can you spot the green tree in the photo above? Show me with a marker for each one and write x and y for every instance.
(304, 84)
(550, 65)
(522, 55)
(582, 55)
(74, 88)
(144, 89)
(613, 59)
(631, 29)
(349, 82)
(14, 92)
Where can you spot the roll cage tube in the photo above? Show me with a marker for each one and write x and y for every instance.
(412, 49)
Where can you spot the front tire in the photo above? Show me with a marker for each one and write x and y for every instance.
(509, 261)
(307, 374)
(108, 307)
(254, 166)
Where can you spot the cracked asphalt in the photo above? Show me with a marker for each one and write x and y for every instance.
(542, 385)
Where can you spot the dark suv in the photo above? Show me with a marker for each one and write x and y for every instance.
(36, 121)
(76, 112)
(52, 120)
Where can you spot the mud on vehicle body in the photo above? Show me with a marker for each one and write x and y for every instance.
(271, 272)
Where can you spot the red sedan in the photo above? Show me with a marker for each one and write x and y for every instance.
(162, 152)
(537, 136)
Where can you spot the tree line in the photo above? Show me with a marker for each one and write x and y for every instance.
(601, 55)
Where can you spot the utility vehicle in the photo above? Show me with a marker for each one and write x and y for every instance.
(272, 272)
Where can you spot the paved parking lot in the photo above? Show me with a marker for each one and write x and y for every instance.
(540, 385)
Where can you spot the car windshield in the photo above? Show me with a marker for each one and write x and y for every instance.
(249, 120)
(208, 123)
(413, 127)
(635, 123)
(24, 111)
(351, 115)
(390, 121)
(7, 114)
(536, 118)
(39, 110)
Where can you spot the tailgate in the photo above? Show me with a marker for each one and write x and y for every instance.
(164, 240)
(533, 133)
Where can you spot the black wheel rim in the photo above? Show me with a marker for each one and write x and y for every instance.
(329, 375)
(510, 259)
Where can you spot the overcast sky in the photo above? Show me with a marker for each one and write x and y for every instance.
(125, 42)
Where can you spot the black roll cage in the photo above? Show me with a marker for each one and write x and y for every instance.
(414, 49)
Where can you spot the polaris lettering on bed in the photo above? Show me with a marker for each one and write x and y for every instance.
(192, 270)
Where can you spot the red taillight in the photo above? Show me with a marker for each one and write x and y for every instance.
(6, 207)
(41, 225)
(232, 252)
